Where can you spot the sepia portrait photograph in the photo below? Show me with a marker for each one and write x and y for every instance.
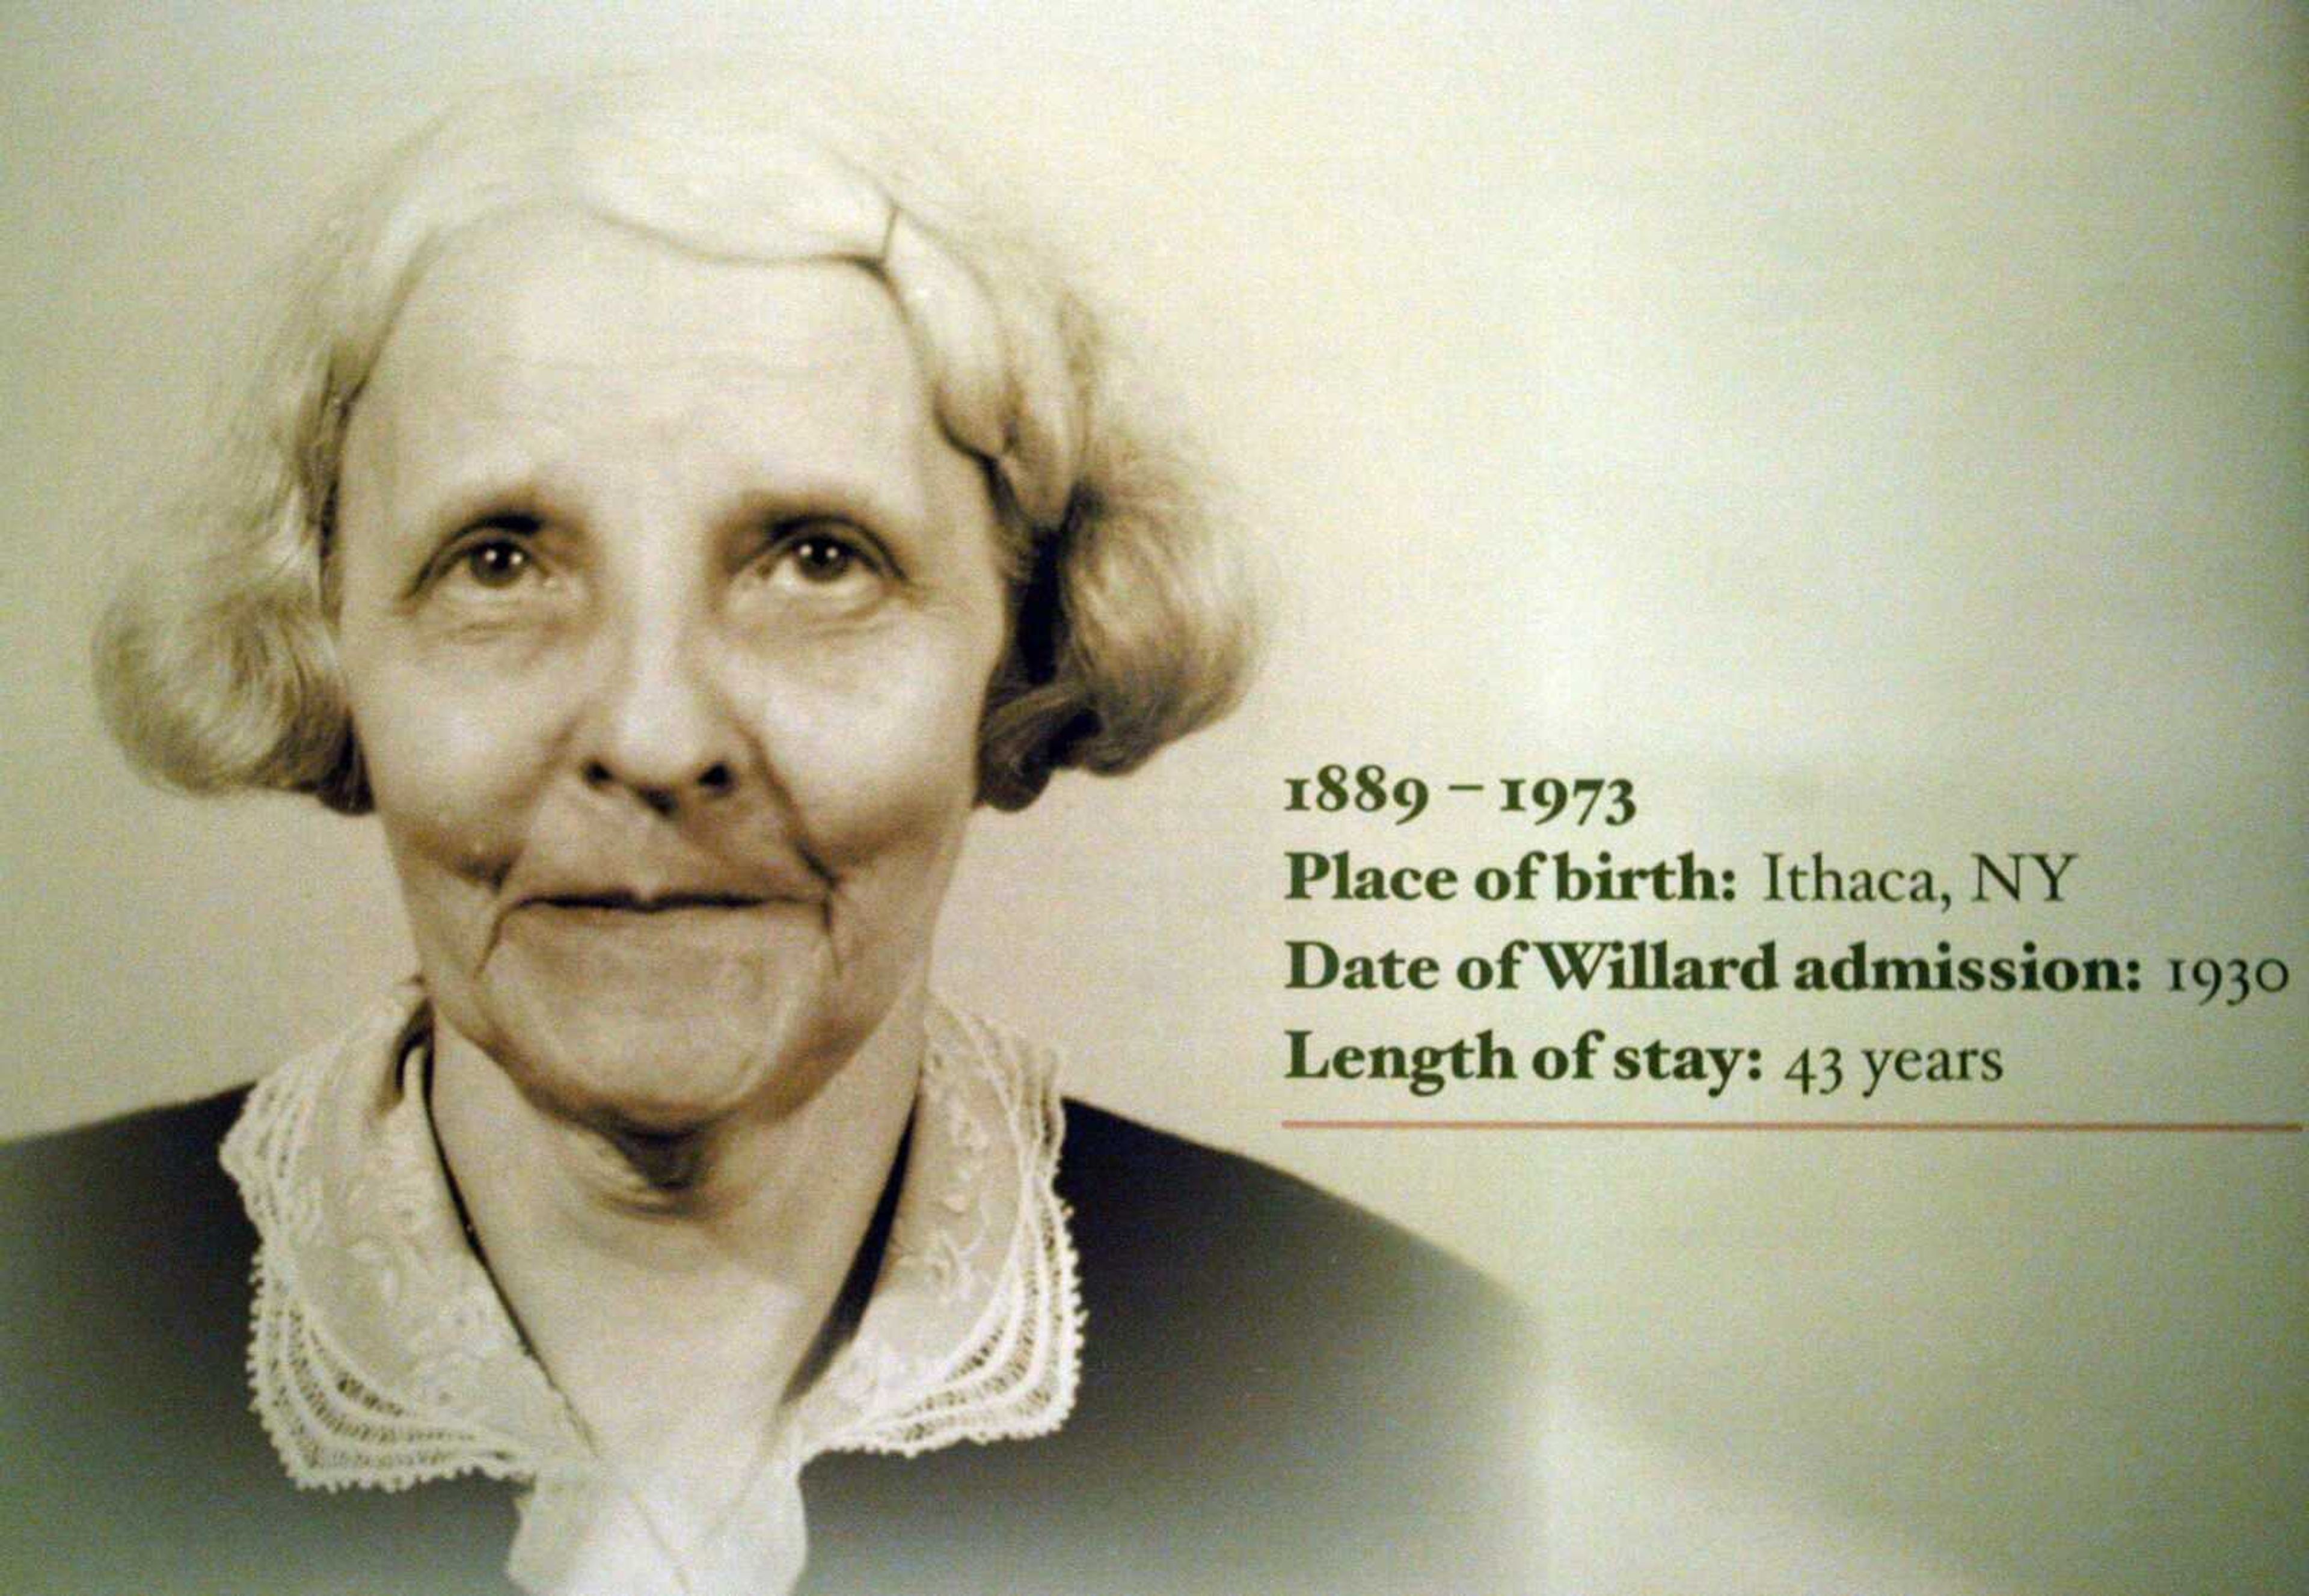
(1307, 800)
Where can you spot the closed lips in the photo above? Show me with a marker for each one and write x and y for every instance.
(635, 902)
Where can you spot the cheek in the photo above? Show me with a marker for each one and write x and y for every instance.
(452, 772)
(889, 772)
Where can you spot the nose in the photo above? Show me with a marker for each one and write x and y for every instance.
(659, 732)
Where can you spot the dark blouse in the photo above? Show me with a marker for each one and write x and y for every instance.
(1280, 1394)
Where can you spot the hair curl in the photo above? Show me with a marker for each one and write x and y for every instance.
(1131, 622)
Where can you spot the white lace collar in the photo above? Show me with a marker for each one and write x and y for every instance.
(382, 1354)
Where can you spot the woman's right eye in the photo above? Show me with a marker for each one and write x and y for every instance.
(494, 554)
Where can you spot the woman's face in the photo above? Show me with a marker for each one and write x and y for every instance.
(667, 616)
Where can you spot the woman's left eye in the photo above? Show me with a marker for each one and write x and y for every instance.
(822, 555)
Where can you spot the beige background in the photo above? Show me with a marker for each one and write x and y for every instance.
(1872, 428)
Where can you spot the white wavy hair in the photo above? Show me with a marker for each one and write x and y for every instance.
(1131, 619)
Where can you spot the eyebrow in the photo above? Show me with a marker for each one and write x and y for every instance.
(482, 486)
(479, 497)
(866, 502)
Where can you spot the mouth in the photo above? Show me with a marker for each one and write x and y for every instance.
(620, 900)
(628, 928)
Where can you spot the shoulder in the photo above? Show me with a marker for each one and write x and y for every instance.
(127, 1264)
(128, 1259)
(141, 1196)
(182, 1136)
(1197, 1237)
(1138, 1184)
(1251, 1296)
(1279, 1391)
(133, 1462)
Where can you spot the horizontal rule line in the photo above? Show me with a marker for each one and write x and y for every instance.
(2063, 1127)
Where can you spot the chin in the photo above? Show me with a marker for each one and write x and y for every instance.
(662, 1091)
(661, 1069)
(664, 1043)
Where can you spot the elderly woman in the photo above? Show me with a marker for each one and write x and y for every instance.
(674, 516)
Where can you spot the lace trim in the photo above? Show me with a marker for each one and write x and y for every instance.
(1015, 1376)
(334, 1425)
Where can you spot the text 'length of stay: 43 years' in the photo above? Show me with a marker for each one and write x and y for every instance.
(1425, 1069)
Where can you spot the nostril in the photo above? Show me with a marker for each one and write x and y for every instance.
(661, 797)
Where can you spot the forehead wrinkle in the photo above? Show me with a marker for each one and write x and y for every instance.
(554, 320)
(824, 392)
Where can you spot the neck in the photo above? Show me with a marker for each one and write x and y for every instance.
(675, 1287)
